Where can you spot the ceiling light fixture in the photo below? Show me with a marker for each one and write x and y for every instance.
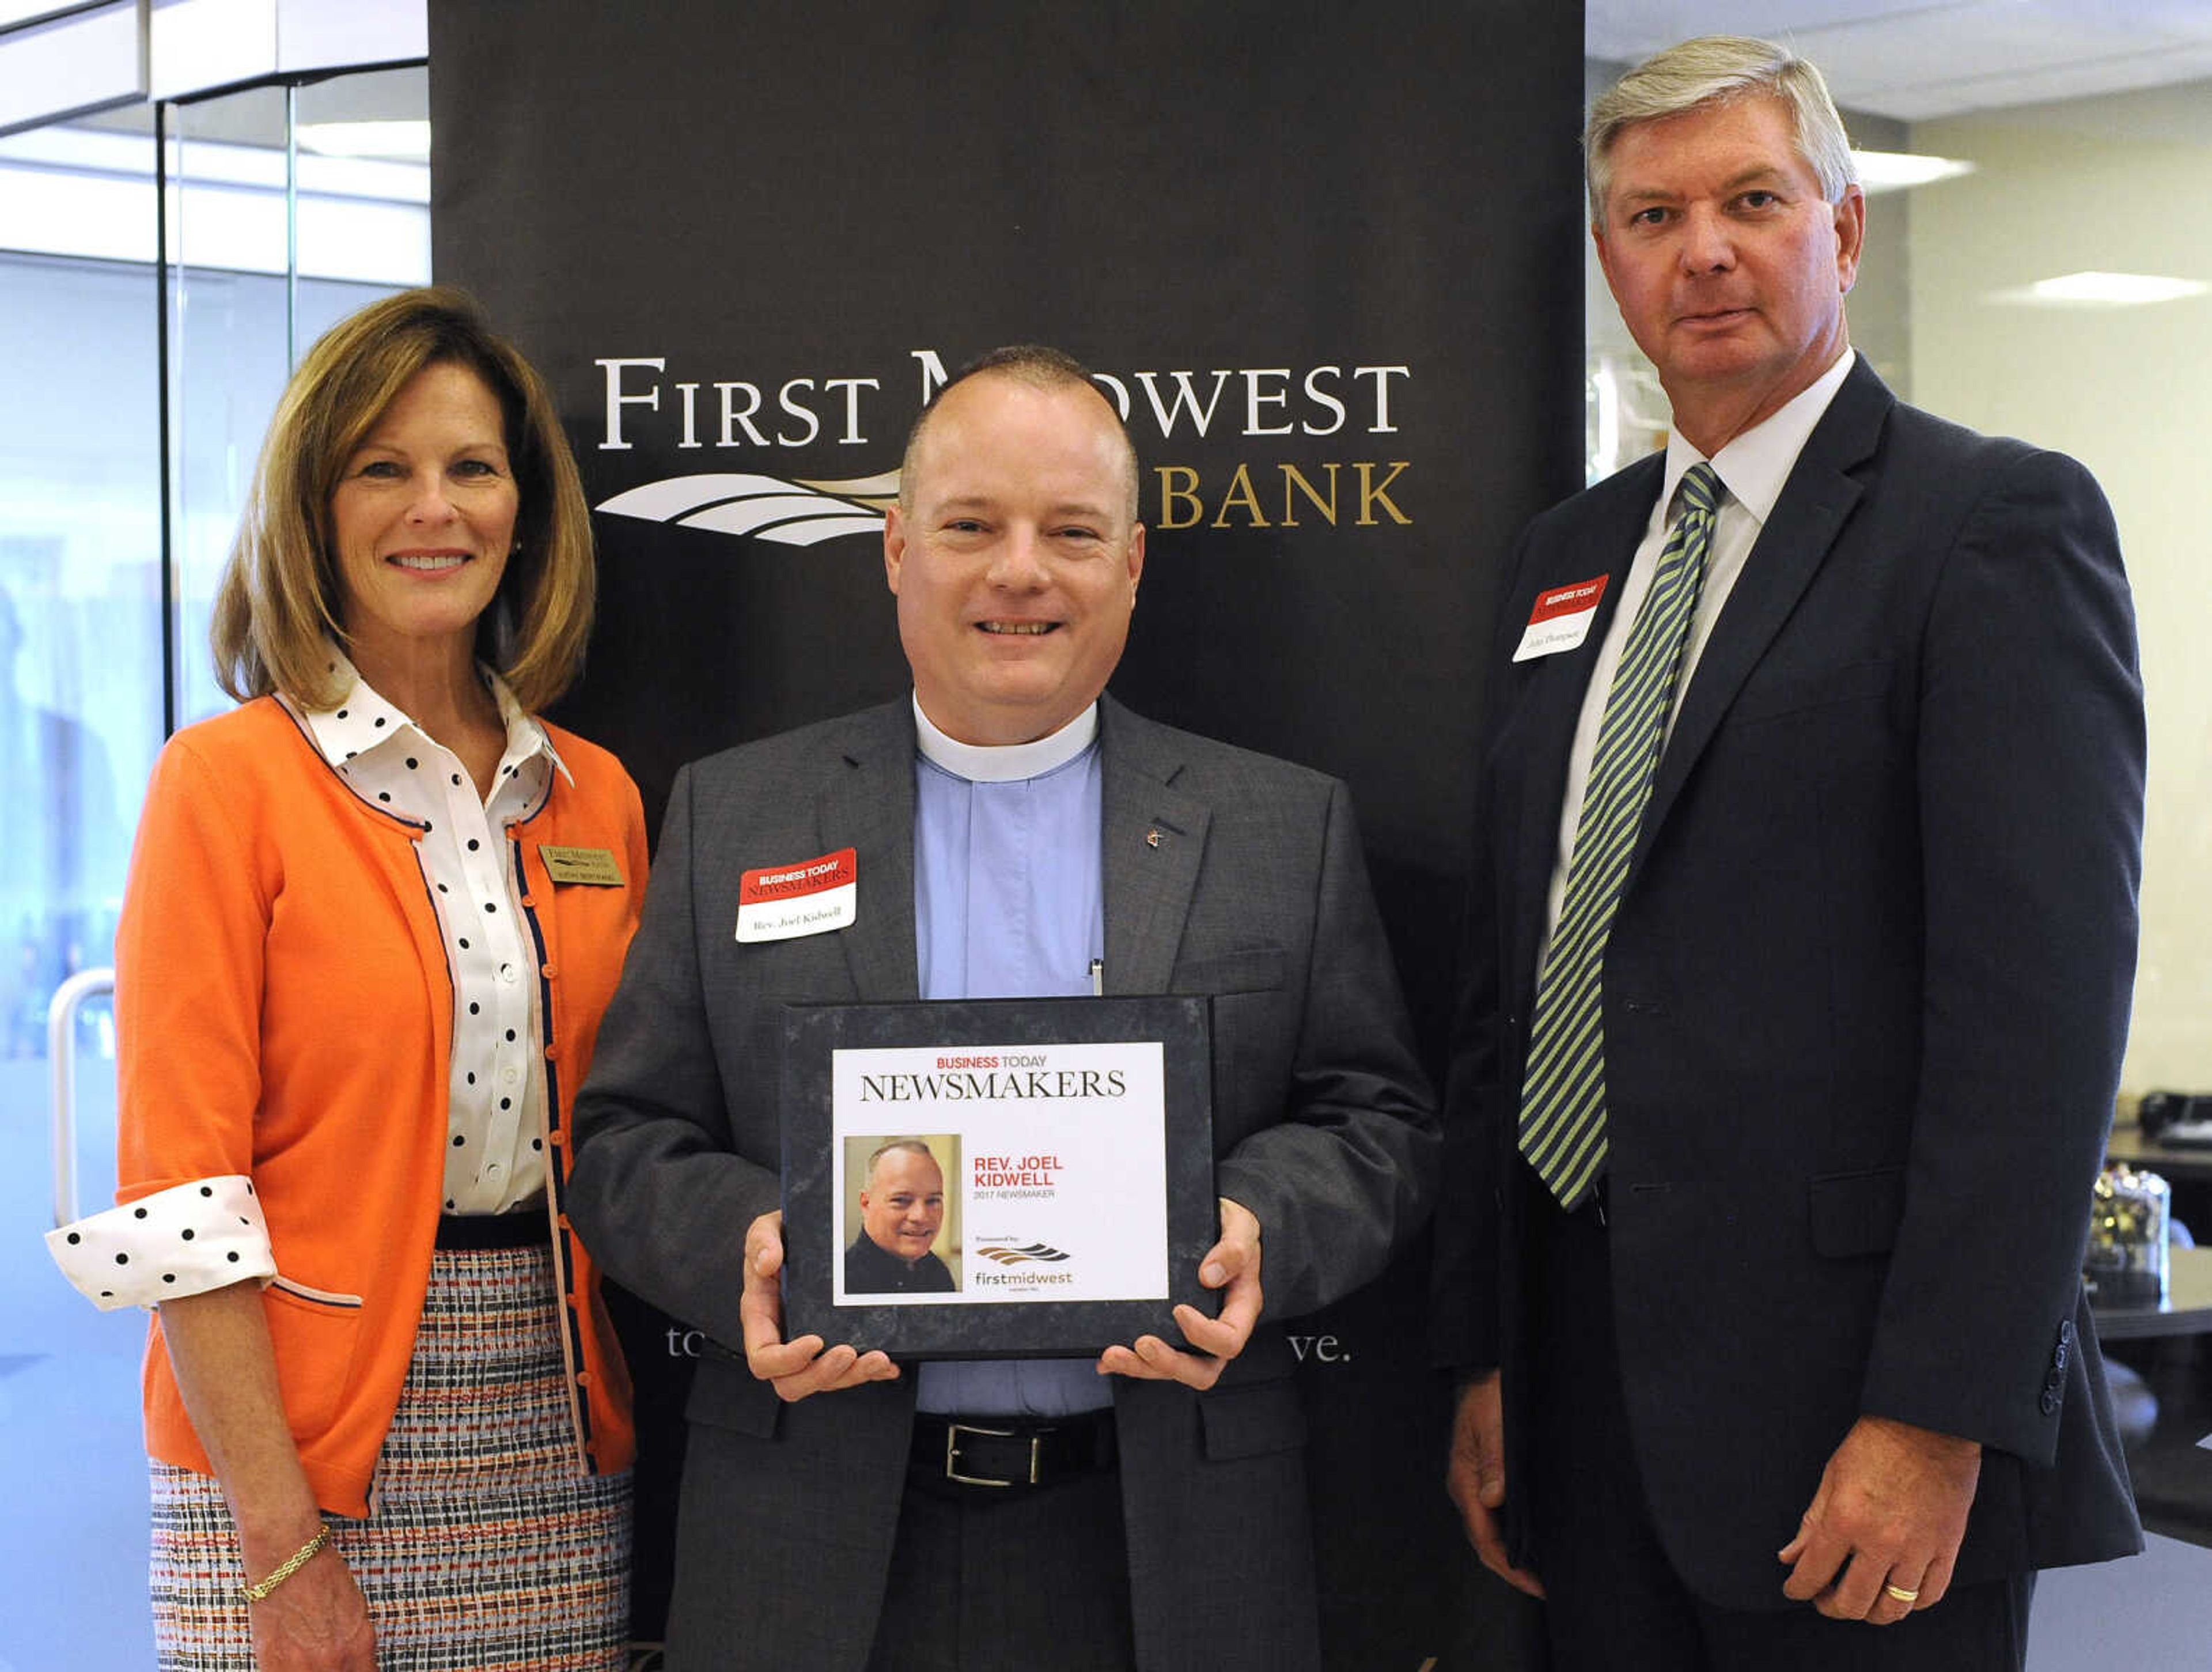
(395, 141)
(2096, 290)
(1899, 171)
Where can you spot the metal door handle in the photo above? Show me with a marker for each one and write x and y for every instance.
(61, 1053)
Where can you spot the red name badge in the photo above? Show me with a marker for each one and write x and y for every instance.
(1561, 619)
(810, 896)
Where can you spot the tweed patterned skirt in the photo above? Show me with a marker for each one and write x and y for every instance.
(486, 1550)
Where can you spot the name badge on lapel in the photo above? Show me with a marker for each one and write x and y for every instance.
(1561, 619)
(811, 896)
(592, 867)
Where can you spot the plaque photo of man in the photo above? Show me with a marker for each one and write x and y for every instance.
(895, 1220)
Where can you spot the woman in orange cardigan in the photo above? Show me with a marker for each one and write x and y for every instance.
(373, 914)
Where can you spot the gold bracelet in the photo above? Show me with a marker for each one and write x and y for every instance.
(291, 1565)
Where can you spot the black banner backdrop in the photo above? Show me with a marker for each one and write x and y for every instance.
(1328, 260)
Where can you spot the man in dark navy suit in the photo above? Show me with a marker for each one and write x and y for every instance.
(1803, 934)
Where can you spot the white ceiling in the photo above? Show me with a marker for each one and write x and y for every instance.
(1916, 60)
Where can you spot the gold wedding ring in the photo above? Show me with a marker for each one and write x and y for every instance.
(1901, 1593)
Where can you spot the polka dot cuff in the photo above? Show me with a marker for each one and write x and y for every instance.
(186, 1240)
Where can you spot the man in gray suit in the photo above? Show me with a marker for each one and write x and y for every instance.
(1013, 833)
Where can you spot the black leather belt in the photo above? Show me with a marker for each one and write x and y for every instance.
(1009, 1451)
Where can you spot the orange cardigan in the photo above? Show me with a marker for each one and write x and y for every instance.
(283, 1010)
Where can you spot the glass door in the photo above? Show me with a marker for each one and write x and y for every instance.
(108, 356)
(81, 715)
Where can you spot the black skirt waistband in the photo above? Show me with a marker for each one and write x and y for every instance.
(526, 1227)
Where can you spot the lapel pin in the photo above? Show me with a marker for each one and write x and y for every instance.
(1153, 838)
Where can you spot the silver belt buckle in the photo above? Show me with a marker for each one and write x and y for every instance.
(952, 1434)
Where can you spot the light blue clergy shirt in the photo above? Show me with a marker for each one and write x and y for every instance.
(1009, 902)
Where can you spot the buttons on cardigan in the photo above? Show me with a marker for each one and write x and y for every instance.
(477, 893)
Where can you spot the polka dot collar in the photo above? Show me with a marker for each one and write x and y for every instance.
(362, 721)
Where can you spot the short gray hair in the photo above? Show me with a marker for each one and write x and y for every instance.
(1716, 70)
(914, 1145)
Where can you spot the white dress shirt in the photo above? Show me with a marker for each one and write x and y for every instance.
(1751, 468)
(496, 1118)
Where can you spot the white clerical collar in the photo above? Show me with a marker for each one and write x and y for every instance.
(1755, 465)
(1005, 764)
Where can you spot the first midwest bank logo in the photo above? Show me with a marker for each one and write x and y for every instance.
(1027, 1253)
(1283, 417)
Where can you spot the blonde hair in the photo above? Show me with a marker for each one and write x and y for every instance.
(281, 596)
(1715, 70)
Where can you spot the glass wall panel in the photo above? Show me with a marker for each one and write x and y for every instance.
(229, 318)
(271, 243)
(80, 720)
(268, 244)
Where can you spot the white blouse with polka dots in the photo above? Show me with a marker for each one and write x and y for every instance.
(495, 1111)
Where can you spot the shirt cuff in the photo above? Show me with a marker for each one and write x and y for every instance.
(186, 1240)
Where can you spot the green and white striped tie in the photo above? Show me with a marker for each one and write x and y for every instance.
(1563, 1094)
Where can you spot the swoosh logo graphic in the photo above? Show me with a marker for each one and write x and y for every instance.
(789, 511)
(1042, 1253)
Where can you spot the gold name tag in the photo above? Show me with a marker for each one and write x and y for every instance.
(595, 867)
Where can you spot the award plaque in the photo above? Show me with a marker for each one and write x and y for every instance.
(996, 1179)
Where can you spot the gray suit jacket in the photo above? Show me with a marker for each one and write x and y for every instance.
(1256, 893)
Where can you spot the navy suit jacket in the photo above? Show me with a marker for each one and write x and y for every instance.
(1227, 874)
(1864, 1000)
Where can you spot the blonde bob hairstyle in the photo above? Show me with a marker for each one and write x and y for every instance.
(281, 597)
